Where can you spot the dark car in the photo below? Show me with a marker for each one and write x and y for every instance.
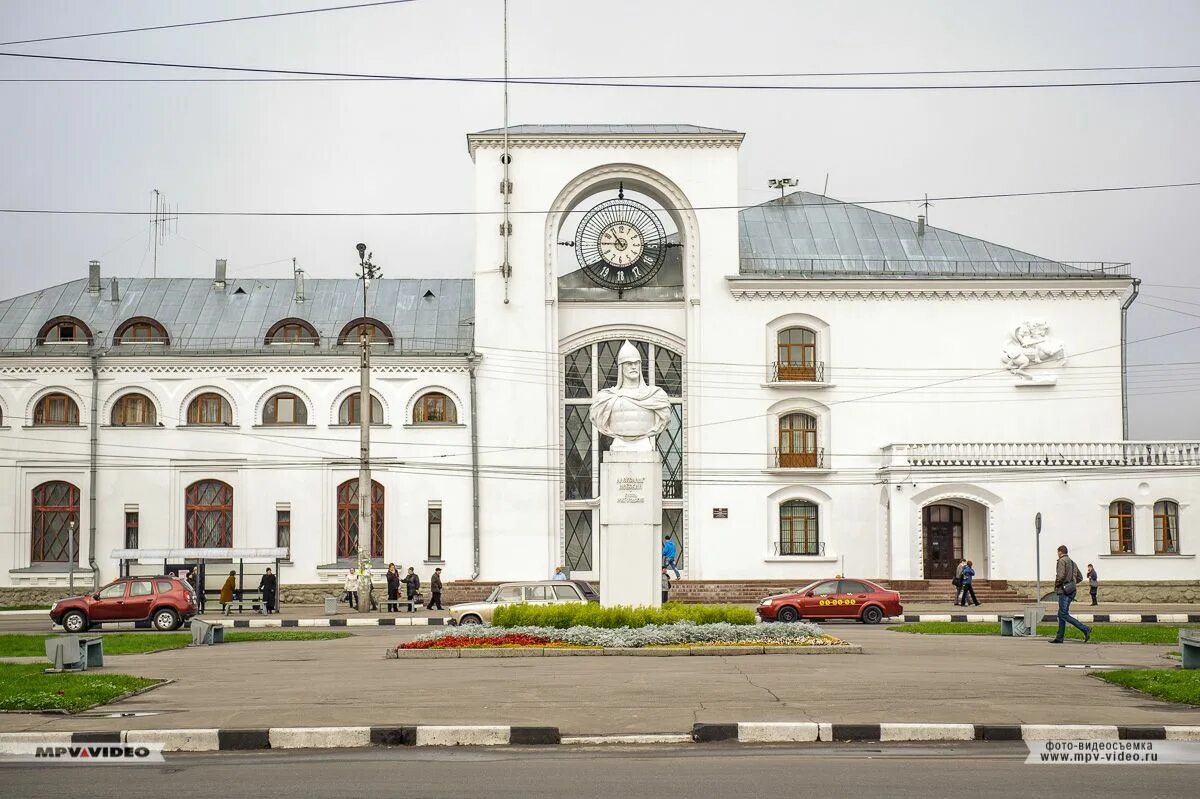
(833, 599)
(166, 601)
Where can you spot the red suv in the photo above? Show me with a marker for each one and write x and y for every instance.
(167, 601)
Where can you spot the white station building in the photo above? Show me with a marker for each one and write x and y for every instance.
(852, 392)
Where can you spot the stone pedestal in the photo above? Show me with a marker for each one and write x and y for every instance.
(631, 529)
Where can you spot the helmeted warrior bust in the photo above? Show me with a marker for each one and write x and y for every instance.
(633, 413)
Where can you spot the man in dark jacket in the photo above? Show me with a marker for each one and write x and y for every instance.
(1066, 577)
(435, 589)
(413, 583)
(268, 585)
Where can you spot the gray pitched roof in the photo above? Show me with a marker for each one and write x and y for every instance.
(604, 130)
(424, 316)
(810, 235)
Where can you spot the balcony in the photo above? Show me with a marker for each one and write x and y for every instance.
(782, 372)
(810, 549)
(1042, 454)
(812, 459)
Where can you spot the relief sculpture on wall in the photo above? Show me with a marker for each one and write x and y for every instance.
(1032, 356)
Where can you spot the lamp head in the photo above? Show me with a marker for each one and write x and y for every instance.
(362, 249)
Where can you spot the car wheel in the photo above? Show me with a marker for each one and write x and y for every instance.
(788, 615)
(470, 618)
(872, 615)
(75, 622)
(165, 619)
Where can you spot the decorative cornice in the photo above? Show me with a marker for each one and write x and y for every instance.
(998, 293)
(229, 369)
(575, 141)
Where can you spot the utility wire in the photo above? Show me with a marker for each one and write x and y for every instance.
(947, 198)
(214, 22)
(309, 73)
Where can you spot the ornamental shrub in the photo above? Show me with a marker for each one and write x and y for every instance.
(592, 615)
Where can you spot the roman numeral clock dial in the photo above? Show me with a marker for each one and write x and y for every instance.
(620, 244)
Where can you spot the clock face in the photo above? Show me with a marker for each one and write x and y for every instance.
(620, 244)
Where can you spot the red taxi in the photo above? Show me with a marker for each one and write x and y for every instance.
(833, 599)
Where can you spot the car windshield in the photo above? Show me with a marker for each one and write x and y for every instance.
(808, 587)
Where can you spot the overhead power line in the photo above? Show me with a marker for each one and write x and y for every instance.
(610, 84)
(947, 198)
(198, 23)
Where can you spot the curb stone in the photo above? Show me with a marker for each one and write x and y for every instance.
(211, 740)
(649, 651)
(1050, 618)
(236, 623)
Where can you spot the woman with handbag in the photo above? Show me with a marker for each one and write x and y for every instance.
(393, 588)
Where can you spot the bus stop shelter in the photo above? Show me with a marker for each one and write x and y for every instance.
(212, 563)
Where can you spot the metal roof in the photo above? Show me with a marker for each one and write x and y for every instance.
(806, 235)
(605, 130)
(424, 316)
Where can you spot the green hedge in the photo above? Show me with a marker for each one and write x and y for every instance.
(592, 615)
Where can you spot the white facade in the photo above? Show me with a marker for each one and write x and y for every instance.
(909, 394)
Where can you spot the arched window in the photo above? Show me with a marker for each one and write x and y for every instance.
(293, 331)
(55, 507)
(285, 408)
(347, 520)
(141, 330)
(134, 410)
(1166, 527)
(209, 409)
(64, 330)
(799, 533)
(349, 412)
(377, 330)
(435, 407)
(797, 356)
(208, 514)
(798, 442)
(1120, 527)
(55, 410)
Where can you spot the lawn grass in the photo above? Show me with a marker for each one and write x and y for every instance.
(1173, 685)
(17, 645)
(25, 607)
(1101, 633)
(25, 687)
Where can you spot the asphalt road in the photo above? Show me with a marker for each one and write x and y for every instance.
(976, 770)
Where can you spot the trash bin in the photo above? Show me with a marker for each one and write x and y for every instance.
(330, 605)
(1033, 616)
(1006, 625)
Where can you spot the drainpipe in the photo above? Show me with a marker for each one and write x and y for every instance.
(1124, 379)
(93, 443)
(471, 360)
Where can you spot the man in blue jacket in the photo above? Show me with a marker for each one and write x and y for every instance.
(669, 552)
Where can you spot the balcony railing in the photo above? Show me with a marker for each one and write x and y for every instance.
(1091, 453)
(785, 549)
(813, 459)
(785, 372)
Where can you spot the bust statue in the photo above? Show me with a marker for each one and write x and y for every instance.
(633, 413)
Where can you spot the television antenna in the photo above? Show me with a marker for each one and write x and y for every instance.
(163, 220)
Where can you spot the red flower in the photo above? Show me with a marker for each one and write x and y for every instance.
(476, 641)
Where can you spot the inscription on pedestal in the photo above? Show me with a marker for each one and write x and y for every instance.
(631, 490)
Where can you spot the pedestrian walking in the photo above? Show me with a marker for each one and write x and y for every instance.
(559, 574)
(197, 579)
(666, 585)
(350, 586)
(1093, 582)
(268, 585)
(1066, 578)
(968, 580)
(958, 581)
(435, 590)
(227, 589)
(669, 553)
(413, 583)
(393, 588)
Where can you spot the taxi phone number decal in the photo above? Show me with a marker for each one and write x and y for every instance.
(838, 602)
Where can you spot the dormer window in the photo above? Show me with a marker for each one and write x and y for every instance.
(376, 331)
(292, 331)
(141, 330)
(64, 330)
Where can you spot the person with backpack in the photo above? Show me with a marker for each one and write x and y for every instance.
(1066, 578)
(958, 581)
(1093, 583)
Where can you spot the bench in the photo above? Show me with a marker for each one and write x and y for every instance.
(1189, 647)
(255, 605)
(206, 633)
(74, 653)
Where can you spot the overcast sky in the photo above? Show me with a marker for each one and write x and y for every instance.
(401, 145)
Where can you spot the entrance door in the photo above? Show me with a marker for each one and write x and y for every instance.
(943, 538)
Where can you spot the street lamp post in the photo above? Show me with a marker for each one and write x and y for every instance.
(71, 556)
(366, 530)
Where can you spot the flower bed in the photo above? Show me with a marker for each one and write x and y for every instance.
(662, 635)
